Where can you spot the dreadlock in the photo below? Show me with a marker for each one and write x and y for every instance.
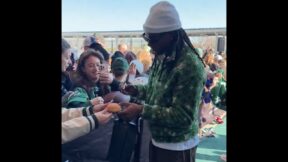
(181, 38)
(188, 42)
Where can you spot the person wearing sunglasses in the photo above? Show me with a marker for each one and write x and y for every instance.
(173, 93)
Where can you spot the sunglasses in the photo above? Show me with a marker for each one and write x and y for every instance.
(152, 38)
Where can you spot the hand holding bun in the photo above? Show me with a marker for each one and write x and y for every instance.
(113, 107)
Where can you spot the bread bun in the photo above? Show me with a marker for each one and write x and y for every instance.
(113, 107)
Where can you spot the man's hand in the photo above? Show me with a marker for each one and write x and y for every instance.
(129, 90)
(130, 111)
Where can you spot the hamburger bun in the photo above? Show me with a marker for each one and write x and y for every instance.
(113, 107)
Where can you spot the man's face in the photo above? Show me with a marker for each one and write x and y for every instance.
(123, 49)
(159, 42)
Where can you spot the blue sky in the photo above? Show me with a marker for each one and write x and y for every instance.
(123, 15)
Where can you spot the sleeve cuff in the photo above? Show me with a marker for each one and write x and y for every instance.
(87, 111)
(93, 121)
(135, 100)
(147, 111)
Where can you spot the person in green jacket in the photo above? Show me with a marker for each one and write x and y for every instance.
(88, 89)
(218, 92)
(173, 93)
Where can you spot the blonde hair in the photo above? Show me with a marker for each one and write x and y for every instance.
(145, 58)
(209, 59)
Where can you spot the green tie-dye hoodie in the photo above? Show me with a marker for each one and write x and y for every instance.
(172, 101)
